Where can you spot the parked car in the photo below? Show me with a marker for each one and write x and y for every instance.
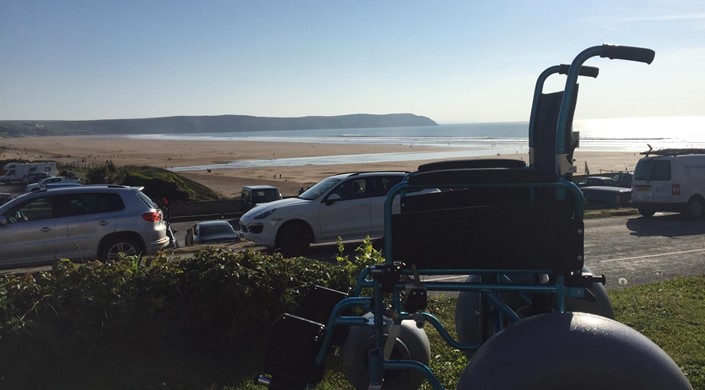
(253, 195)
(35, 177)
(54, 181)
(607, 197)
(79, 223)
(5, 197)
(211, 232)
(597, 181)
(623, 179)
(349, 205)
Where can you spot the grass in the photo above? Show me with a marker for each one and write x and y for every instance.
(670, 313)
(605, 213)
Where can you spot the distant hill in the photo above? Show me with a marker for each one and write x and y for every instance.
(211, 124)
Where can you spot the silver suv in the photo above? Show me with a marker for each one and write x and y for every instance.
(79, 223)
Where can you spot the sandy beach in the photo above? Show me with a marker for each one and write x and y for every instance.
(178, 153)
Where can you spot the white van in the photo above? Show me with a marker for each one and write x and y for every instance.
(670, 180)
(15, 171)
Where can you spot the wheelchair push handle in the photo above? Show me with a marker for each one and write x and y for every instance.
(587, 71)
(565, 114)
(629, 53)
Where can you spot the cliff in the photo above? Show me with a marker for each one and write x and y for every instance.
(211, 124)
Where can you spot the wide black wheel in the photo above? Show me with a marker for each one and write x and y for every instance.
(471, 323)
(696, 207)
(576, 351)
(294, 239)
(596, 301)
(475, 320)
(646, 212)
(411, 344)
(114, 247)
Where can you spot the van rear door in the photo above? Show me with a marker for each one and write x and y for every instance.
(652, 181)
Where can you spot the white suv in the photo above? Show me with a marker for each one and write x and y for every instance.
(349, 206)
(79, 223)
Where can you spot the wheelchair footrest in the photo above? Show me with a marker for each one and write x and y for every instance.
(291, 351)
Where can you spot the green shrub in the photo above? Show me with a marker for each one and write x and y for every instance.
(158, 183)
(365, 255)
(128, 324)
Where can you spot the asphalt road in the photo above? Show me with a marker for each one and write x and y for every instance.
(631, 249)
(642, 250)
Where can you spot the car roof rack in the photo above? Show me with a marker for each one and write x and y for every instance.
(673, 151)
(366, 172)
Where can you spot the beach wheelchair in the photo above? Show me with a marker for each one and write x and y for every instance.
(507, 236)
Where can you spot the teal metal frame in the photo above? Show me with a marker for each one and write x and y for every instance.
(386, 298)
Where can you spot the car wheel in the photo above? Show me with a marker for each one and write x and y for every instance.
(696, 207)
(646, 212)
(294, 239)
(112, 248)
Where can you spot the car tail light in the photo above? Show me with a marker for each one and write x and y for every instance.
(152, 216)
(675, 189)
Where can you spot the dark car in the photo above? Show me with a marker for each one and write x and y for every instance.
(597, 181)
(211, 232)
(253, 195)
(606, 197)
(623, 179)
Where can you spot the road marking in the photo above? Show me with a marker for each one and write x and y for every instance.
(441, 279)
(654, 255)
(446, 278)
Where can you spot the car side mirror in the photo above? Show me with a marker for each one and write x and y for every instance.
(332, 198)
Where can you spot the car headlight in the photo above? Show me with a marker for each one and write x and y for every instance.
(265, 214)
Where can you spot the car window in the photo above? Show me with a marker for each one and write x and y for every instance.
(32, 210)
(319, 189)
(80, 204)
(353, 189)
(653, 170)
(265, 196)
(245, 194)
(149, 202)
(383, 184)
(208, 230)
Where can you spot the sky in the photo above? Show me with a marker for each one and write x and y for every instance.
(452, 61)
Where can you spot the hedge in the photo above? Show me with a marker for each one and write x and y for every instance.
(170, 323)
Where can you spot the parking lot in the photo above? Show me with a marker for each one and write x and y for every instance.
(632, 248)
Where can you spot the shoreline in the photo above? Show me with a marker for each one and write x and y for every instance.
(228, 181)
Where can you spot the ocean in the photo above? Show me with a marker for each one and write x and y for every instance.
(463, 140)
